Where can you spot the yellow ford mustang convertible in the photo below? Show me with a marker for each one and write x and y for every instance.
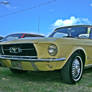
(68, 49)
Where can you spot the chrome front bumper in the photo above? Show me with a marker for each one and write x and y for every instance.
(30, 58)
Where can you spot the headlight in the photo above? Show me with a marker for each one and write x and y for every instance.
(52, 50)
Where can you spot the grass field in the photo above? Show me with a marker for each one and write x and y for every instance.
(42, 82)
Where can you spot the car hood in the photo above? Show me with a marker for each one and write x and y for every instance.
(30, 40)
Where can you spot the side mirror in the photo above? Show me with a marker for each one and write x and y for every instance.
(83, 36)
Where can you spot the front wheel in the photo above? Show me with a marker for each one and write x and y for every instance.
(73, 69)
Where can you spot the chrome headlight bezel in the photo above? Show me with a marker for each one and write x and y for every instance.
(52, 49)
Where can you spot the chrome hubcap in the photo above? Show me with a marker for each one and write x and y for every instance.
(76, 68)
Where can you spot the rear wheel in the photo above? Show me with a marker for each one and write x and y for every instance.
(73, 69)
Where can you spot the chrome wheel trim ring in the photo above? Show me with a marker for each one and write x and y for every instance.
(77, 68)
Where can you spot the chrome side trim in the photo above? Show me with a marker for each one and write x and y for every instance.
(31, 58)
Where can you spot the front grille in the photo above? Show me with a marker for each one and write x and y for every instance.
(19, 50)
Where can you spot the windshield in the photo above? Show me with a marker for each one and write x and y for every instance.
(69, 32)
(12, 37)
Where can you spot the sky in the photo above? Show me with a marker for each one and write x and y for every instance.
(42, 16)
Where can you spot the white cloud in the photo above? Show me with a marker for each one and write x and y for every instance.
(71, 21)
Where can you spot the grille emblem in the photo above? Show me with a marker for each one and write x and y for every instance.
(15, 50)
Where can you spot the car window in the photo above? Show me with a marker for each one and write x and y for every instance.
(71, 31)
(31, 35)
(28, 35)
(60, 35)
(12, 37)
(90, 36)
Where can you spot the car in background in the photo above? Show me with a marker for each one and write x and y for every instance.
(20, 35)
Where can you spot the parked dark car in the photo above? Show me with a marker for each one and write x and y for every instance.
(20, 35)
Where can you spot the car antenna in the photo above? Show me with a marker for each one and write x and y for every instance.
(38, 24)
